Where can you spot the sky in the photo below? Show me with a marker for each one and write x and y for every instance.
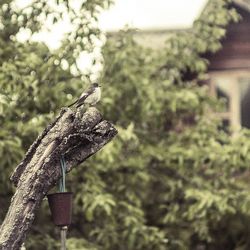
(148, 14)
(140, 14)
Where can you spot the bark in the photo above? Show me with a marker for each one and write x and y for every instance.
(76, 136)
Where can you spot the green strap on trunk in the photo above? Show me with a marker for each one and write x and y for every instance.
(62, 187)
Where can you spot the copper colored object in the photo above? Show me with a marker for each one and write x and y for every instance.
(61, 208)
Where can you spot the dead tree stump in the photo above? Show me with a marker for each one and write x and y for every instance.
(76, 136)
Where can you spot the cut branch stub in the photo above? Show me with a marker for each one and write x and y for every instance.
(76, 136)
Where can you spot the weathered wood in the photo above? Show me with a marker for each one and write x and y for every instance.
(235, 52)
(76, 136)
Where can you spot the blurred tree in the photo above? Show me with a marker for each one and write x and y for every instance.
(36, 82)
(179, 170)
(172, 179)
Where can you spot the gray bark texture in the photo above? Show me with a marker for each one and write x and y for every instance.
(75, 135)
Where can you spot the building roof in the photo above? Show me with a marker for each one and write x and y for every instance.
(235, 52)
(245, 4)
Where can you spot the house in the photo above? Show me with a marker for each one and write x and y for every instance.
(229, 68)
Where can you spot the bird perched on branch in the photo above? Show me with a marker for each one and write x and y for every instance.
(90, 96)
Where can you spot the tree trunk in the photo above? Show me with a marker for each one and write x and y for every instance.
(76, 136)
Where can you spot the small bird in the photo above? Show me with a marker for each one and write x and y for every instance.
(91, 96)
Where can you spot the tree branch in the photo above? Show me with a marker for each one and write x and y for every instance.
(76, 136)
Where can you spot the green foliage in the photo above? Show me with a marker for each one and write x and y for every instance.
(171, 179)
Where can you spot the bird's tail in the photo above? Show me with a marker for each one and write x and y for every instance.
(72, 103)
